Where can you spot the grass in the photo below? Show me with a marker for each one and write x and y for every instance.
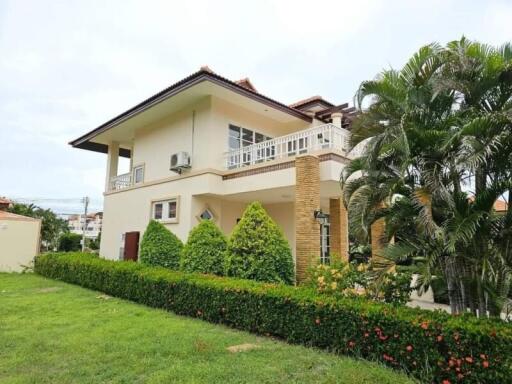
(52, 332)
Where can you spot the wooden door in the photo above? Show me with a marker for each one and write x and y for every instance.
(131, 246)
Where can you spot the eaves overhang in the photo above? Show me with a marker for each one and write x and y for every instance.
(84, 141)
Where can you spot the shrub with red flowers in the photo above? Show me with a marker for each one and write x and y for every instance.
(432, 346)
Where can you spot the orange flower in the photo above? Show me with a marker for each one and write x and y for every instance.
(469, 359)
(317, 321)
(446, 382)
(439, 338)
(409, 348)
(424, 325)
(485, 364)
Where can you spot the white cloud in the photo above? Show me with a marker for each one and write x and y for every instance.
(69, 66)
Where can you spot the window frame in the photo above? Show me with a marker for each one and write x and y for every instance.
(165, 201)
(248, 158)
(325, 243)
(241, 140)
(135, 168)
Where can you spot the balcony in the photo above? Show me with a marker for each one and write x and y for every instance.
(310, 140)
(320, 138)
(120, 182)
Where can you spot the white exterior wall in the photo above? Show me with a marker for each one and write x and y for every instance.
(202, 130)
(19, 243)
(128, 211)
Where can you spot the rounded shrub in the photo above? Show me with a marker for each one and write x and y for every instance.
(258, 249)
(205, 249)
(160, 247)
(70, 242)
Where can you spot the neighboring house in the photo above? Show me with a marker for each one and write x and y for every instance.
(205, 147)
(92, 226)
(19, 239)
(5, 203)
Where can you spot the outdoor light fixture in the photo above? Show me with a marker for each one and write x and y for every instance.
(321, 217)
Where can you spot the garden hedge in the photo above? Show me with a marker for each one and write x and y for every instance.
(258, 250)
(205, 249)
(160, 247)
(431, 346)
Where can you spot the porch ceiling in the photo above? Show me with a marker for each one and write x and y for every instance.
(328, 190)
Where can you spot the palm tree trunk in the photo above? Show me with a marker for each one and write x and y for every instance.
(454, 296)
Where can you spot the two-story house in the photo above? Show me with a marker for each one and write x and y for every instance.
(205, 147)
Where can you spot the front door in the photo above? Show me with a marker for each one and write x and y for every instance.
(131, 246)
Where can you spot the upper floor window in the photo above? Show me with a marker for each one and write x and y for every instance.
(242, 137)
(165, 210)
(138, 174)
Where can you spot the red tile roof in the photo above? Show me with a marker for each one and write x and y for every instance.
(310, 100)
(246, 83)
(205, 73)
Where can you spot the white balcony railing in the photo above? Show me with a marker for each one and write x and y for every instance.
(326, 136)
(120, 182)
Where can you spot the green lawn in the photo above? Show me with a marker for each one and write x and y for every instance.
(52, 332)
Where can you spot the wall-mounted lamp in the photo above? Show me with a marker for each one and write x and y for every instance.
(321, 217)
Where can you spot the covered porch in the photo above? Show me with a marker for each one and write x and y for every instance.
(310, 214)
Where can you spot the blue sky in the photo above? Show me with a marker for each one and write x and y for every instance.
(68, 66)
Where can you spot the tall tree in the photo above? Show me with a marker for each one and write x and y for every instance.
(437, 156)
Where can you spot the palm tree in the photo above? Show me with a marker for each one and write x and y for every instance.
(438, 155)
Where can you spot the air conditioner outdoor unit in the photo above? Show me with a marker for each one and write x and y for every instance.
(180, 161)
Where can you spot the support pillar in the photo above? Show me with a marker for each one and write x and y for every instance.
(112, 163)
(307, 201)
(339, 230)
(337, 119)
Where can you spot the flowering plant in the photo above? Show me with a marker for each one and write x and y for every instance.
(342, 279)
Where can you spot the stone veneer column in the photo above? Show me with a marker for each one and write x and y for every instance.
(307, 200)
(339, 230)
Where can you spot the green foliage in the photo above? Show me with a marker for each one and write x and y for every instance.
(338, 279)
(70, 242)
(58, 331)
(51, 225)
(352, 279)
(205, 249)
(160, 247)
(432, 346)
(258, 250)
(94, 244)
(431, 129)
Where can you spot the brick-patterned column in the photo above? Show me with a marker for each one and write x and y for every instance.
(307, 200)
(339, 230)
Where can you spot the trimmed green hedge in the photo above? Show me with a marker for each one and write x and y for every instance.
(258, 250)
(160, 247)
(205, 249)
(432, 346)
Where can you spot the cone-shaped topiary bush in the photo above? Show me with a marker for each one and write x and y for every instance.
(258, 249)
(205, 249)
(160, 247)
